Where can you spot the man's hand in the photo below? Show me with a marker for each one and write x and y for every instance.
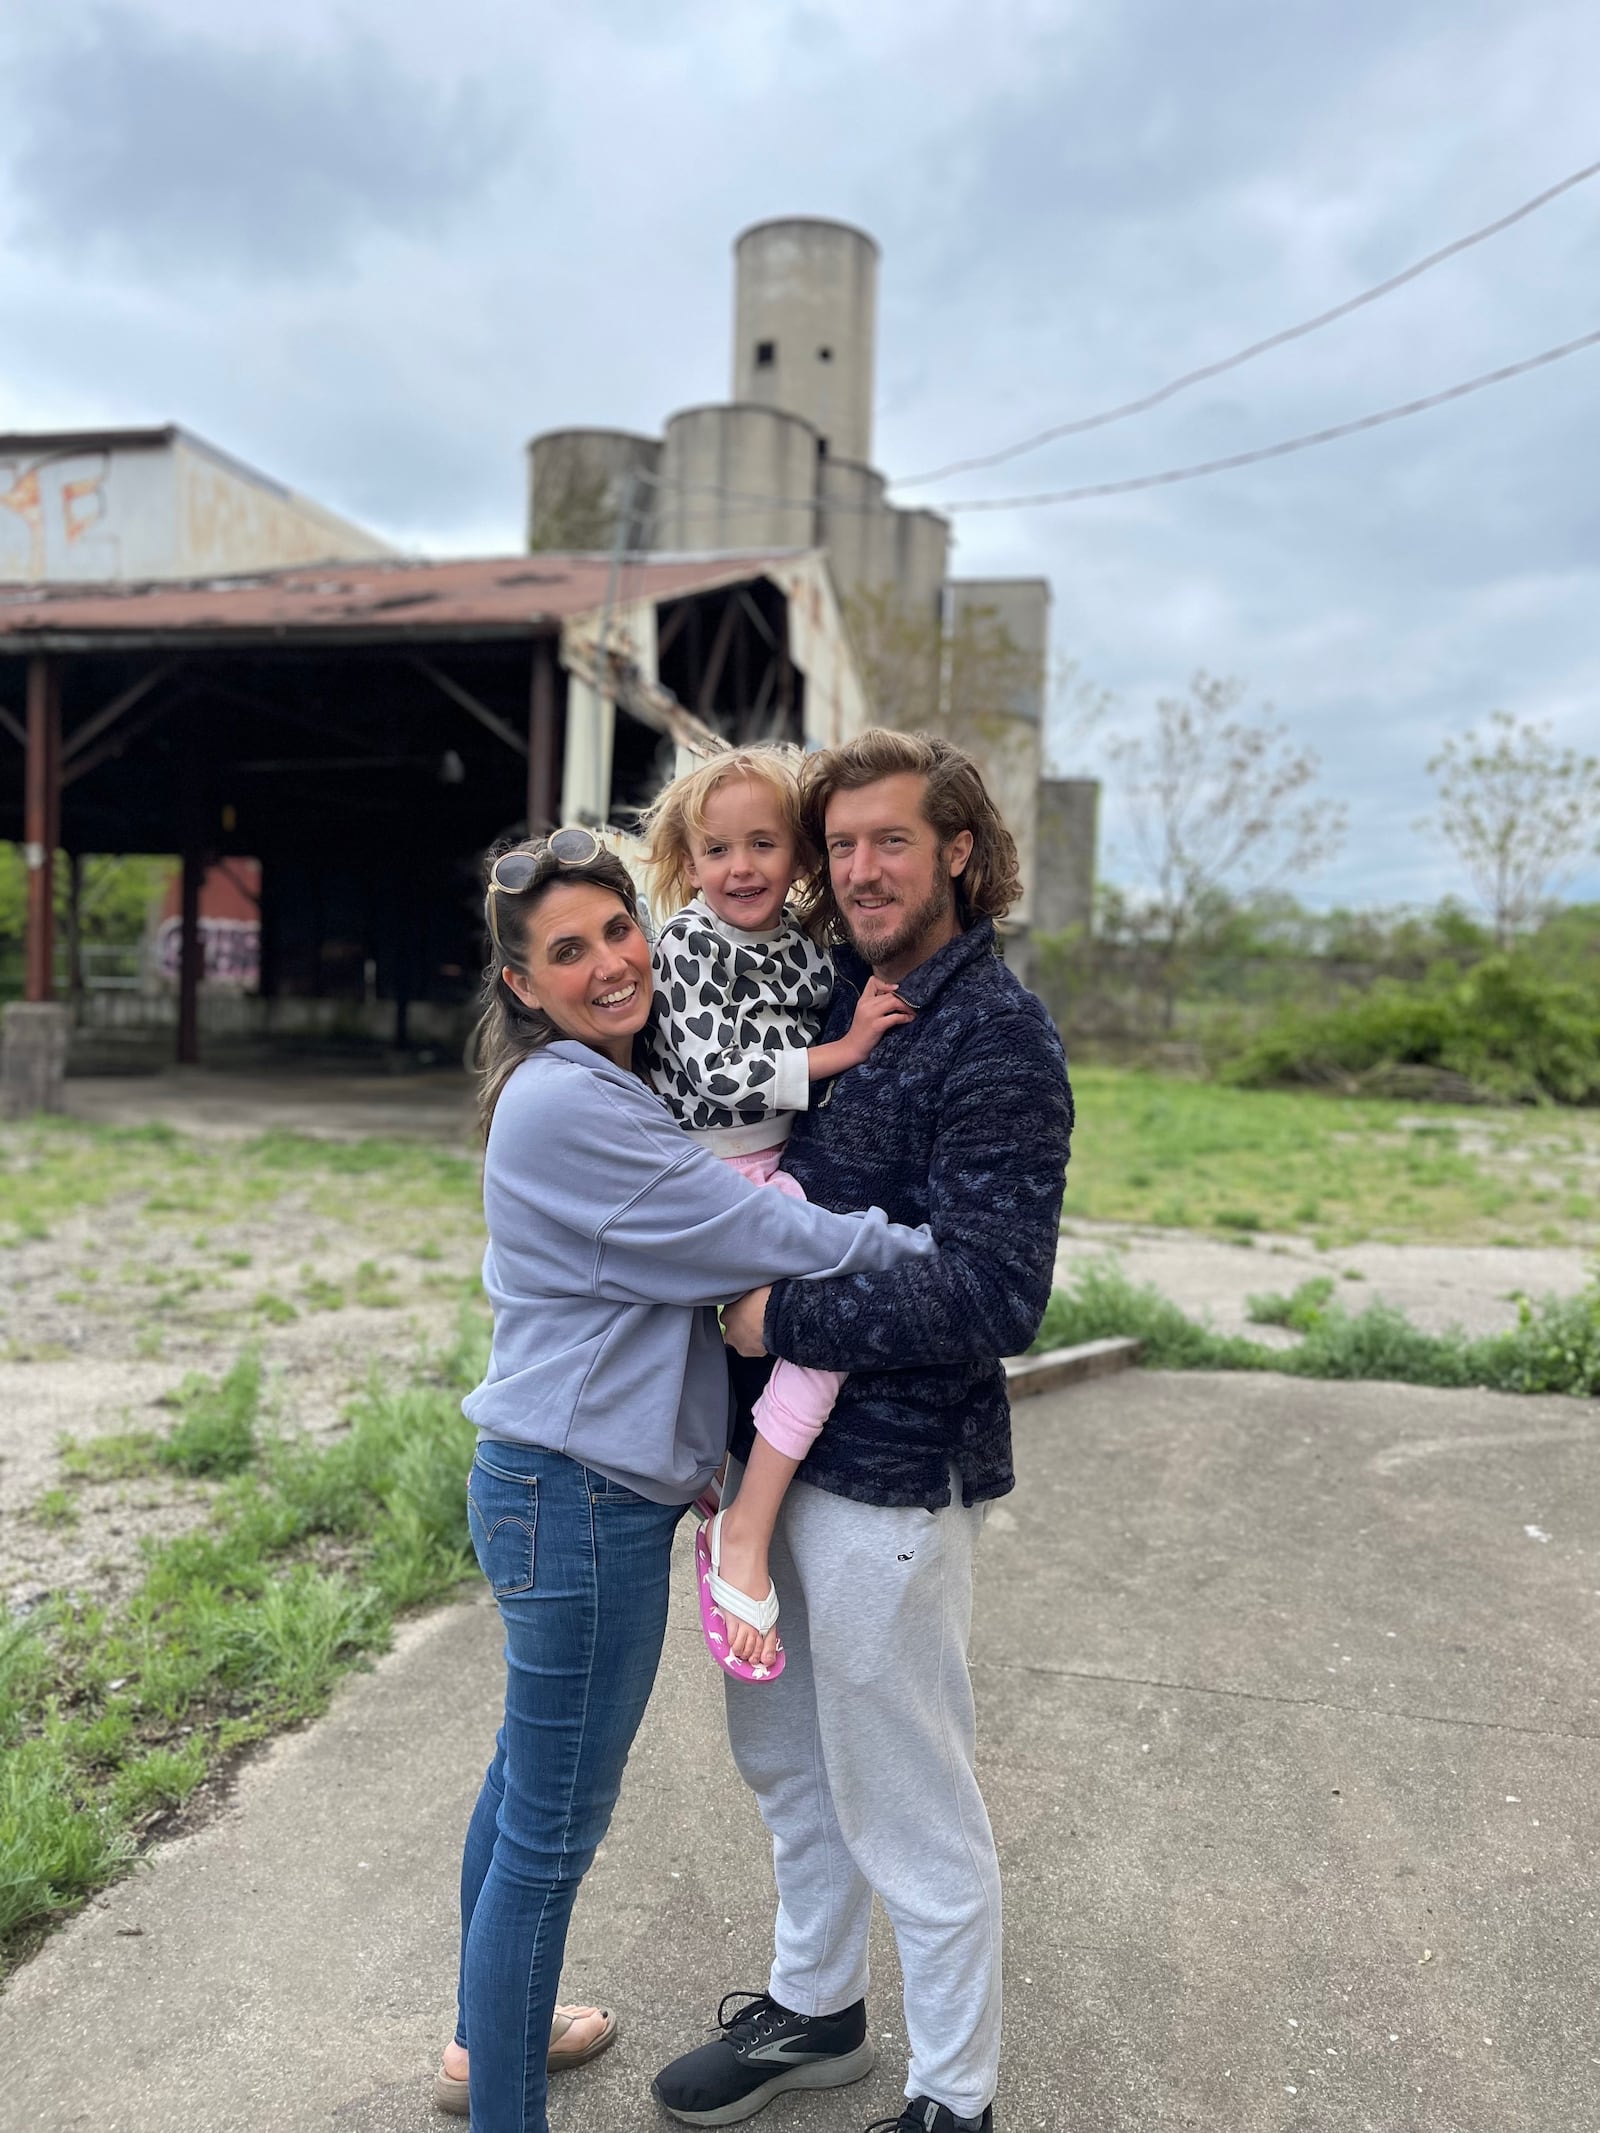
(742, 1321)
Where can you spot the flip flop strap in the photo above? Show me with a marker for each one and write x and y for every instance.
(760, 1614)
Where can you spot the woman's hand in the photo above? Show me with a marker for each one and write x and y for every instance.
(742, 1321)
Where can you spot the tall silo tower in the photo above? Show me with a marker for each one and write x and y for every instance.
(805, 311)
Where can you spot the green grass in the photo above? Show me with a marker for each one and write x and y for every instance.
(109, 1716)
(57, 1508)
(1299, 1311)
(51, 1168)
(215, 1435)
(1554, 1347)
(1190, 1155)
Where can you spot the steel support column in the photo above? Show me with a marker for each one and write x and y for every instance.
(190, 955)
(191, 951)
(41, 829)
(543, 769)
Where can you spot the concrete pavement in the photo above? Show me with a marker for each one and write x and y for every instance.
(1291, 1738)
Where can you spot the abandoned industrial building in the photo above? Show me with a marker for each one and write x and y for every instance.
(196, 661)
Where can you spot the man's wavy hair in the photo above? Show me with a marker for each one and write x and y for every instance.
(954, 799)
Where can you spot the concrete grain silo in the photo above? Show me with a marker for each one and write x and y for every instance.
(854, 526)
(736, 477)
(919, 548)
(1000, 633)
(577, 483)
(805, 310)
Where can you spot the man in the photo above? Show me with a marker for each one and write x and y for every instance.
(861, 1753)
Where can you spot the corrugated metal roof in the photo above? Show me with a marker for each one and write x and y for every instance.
(495, 596)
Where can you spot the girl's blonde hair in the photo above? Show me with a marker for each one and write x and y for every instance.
(678, 814)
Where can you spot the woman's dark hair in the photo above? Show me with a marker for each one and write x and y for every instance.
(507, 1031)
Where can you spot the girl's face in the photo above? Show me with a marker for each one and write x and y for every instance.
(588, 968)
(743, 863)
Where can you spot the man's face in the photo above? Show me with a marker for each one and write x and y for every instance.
(892, 883)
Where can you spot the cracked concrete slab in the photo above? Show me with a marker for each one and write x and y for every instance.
(1291, 1738)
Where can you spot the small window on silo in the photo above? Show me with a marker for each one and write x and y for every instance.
(766, 354)
(824, 355)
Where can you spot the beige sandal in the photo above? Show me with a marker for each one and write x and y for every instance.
(450, 2094)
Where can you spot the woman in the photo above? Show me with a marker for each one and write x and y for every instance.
(604, 1412)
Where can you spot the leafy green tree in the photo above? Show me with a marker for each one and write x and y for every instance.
(1520, 813)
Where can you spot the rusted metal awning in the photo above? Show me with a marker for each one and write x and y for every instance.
(355, 603)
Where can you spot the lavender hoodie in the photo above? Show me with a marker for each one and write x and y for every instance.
(612, 1237)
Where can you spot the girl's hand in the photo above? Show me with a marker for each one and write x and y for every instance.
(879, 1010)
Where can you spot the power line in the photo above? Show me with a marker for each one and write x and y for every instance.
(827, 508)
(1245, 355)
(1277, 451)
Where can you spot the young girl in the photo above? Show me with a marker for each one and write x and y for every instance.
(741, 996)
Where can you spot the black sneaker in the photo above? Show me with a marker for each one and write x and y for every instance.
(763, 2050)
(923, 2115)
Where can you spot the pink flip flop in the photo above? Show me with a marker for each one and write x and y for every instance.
(719, 1599)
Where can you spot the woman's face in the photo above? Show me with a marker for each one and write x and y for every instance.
(588, 968)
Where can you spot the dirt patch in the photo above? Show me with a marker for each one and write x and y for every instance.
(101, 1320)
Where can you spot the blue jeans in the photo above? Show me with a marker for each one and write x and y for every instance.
(579, 1567)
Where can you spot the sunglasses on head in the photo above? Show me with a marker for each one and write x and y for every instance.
(513, 872)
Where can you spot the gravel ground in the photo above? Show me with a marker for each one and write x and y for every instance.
(101, 1320)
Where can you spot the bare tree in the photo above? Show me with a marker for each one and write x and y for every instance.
(1219, 806)
(919, 675)
(580, 516)
(1519, 812)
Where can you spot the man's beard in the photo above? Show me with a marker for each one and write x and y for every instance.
(915, 927)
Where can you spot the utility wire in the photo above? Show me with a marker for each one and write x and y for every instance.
(827, 508)
(1277, 451)
(1246, 355)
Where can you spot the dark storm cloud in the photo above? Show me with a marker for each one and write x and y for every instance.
(167, 150)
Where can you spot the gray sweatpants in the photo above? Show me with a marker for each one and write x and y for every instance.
(861, 1756)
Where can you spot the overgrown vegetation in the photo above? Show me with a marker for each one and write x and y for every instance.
(116, 899)
(1270, 994)
(111, 1717)
(1503, 1029)
(1554, 1346)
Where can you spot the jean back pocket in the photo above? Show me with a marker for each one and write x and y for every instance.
(503, 1514)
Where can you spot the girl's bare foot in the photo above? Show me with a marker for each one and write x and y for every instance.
(742, 1563)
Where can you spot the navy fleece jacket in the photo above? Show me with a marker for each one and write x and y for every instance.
(611, 1236)
(961, 1119)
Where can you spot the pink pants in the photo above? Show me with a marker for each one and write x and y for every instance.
(796, 1401)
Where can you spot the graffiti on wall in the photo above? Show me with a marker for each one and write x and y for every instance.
(53, 517)
(231, 948)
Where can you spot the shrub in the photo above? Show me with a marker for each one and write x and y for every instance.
(1505, 1029)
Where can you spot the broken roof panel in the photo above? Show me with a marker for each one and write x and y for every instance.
(369, 602)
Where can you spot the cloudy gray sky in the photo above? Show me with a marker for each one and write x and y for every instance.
(372, 248)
